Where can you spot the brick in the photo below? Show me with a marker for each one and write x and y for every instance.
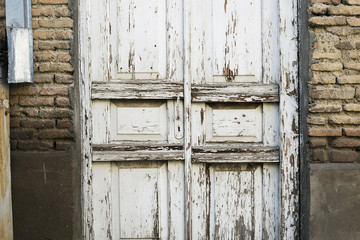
(51, 45)
(344, 120)
(335, 2)
(323, 79)
(336, 66)
(55, 67)
(326, 108)
(19, 133)
(324, 132)
(351, 132)
(319, 9)
(346, 142)
(63, 35)
(318, 142)
(338, 156)
(36, 101)
(316, 120)
(43, 78)
(62, 102)
(31, 112)
(328, 21)
(326, 55)
(64, 78)
(62, 12)
(61, 145)
(352, 107)
(24, 89)
(353, 21)
(353, 2)
(344, 10)
(53, 1)
(357, 94)
(352, 65)
(38, 123)
(349, 79)
(344, 31)
(14, 122)
(343, 45)
(354, 54)
(332, 93)
(51, 91)
(62, 23)
(320, 156)
(63, 124)
(13, 144)
(35, 145)
(55, 134)
(55, 113)
(64, 57)
(44, 56)
(42, 11)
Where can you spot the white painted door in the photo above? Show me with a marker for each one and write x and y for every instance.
(186, 110)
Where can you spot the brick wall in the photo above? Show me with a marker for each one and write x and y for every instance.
(334, 111)
(41, 113)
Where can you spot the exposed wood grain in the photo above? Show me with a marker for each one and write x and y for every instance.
(223, 154)
(176, 200)
(270, 41)
(102, 199)
(84, 32)
(289, 109)
(120, 90)
(6, 226)
(271, 196)
(136, 152)
(235, 93)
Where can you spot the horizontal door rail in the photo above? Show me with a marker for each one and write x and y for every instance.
(233, 154)
(230, 92)
(137, 152)
(141, 90)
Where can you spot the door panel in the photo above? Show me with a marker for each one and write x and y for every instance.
(185, 119)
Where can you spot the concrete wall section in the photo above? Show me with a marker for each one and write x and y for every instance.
(335, 201)
(44, 195)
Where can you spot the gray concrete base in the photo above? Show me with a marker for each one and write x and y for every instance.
(45, 194)
(335, 201)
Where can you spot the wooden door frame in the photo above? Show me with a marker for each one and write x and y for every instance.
(289, 118)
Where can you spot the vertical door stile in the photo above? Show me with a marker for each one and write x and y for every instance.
(187, 117)
(289, 149)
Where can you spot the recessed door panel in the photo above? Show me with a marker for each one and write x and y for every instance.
(138, 121)
(233, 123)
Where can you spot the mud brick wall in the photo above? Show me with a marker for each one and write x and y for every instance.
(41, 113)
(44, 157)
(334, 110)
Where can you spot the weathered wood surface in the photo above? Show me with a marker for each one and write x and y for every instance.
(235, 93)
(289, 120)
(135, 152)
(223, 154)
(149, 90)
(6, 227)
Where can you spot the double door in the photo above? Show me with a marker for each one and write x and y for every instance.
(185, 120)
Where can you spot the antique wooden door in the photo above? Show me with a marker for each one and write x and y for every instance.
(192, 124)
